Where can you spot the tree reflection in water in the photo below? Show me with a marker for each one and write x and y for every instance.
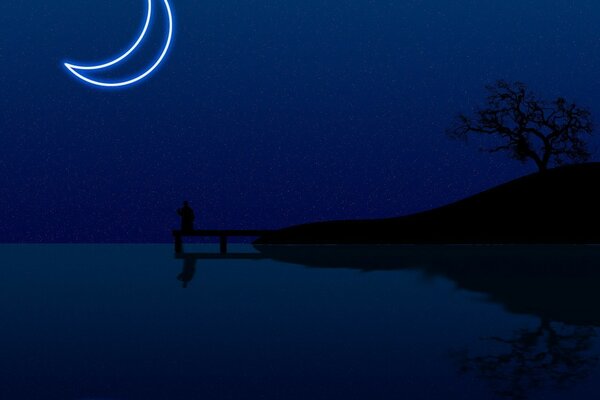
(556, 284)
(551, 356)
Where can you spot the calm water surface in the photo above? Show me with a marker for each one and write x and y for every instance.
(114, 322)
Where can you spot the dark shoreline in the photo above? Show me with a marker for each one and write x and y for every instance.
(556, 206)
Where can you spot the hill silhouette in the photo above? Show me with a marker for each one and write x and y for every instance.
(560, 205)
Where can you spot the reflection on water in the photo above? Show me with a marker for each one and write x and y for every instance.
(557, 284)
(107, 321)
(189, 269)
(553, 355)
(189, 262)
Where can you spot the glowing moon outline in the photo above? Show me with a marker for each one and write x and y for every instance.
(75, 68)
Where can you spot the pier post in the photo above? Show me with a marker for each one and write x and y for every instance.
(178, 244)
(223, 244)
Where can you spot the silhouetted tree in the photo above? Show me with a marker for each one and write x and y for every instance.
(533, 359)
(529, 128)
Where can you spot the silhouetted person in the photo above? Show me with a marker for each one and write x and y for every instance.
(187, 217)
(187, 274)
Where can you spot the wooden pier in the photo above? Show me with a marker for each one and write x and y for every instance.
(223, 236)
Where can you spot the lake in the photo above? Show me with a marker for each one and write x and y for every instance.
(133, 322)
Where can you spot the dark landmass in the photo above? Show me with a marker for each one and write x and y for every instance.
(556, 206)
(555, 283)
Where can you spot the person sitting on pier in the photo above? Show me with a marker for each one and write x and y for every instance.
(187, 217)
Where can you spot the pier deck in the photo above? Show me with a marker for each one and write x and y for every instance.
(223, 236)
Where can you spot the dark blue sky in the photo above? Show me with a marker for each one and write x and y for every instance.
(267, 113)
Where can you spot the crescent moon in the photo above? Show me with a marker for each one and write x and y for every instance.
(78, 70)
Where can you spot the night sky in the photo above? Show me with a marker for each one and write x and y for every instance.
(267, 113)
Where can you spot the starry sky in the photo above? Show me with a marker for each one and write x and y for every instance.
(267, 113)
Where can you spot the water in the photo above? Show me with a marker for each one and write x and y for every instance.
(113, 322)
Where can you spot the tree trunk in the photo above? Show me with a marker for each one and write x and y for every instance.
(541, 164)
(546, 157)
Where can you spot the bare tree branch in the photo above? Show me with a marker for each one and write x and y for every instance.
(527, 128)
